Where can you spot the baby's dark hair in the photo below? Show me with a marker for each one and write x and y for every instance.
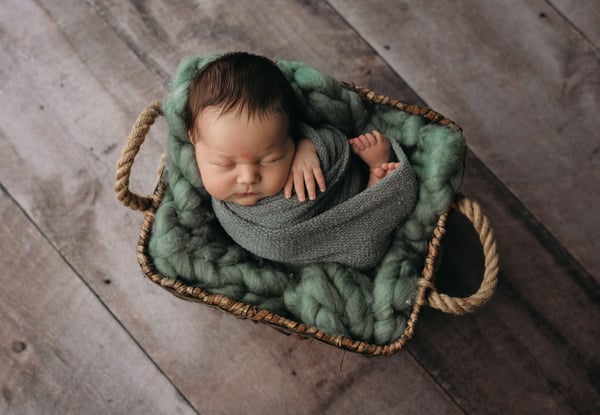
(242, 81)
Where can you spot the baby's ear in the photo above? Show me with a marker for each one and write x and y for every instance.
(191, 136)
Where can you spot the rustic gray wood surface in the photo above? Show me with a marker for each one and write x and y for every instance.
(81, 331)
(524, 85)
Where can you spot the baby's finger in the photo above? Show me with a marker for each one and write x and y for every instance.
(299, 187)
(289, 185)
(320, 178)
(309, 181)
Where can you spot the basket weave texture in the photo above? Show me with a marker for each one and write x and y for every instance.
(426, 294)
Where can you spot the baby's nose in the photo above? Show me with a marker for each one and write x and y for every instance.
(248, 174)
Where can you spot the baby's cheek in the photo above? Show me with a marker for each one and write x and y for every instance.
(211, 183)
(214, 189)
(278, 179)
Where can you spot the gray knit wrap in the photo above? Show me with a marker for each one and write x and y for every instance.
(344, 224)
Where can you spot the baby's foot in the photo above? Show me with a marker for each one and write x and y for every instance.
(375, 150)
(384, 170)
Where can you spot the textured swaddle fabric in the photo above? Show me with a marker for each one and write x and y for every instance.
(187, 241)
(346, 224)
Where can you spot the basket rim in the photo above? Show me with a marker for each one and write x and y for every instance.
(413, 109)
(246, 311)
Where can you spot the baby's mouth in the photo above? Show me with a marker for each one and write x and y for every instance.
(248, 193)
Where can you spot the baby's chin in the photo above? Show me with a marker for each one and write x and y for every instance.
(246, 200)
(251, 199)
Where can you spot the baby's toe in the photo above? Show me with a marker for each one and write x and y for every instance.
(371, 139)
(378, 172)
(377, 136)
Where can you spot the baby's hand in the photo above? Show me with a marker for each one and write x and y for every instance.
(305, 171)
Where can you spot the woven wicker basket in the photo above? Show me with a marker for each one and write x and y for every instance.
(426, 294)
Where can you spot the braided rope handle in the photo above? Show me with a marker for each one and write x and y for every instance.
(455, 305)
(135, 139)
(469, 208)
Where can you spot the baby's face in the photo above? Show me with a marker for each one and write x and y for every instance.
(241, 159)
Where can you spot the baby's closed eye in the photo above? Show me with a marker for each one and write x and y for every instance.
(270, 160)
(222, 164)
(273, 158)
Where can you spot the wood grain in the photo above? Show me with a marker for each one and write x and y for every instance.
(532, 350)
(295, 30)
(584, 16)
(525, 89)
(58, 161)
(60, 349)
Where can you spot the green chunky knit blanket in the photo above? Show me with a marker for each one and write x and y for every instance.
(187, 241)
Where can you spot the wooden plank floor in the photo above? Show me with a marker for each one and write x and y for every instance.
(82, 332)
